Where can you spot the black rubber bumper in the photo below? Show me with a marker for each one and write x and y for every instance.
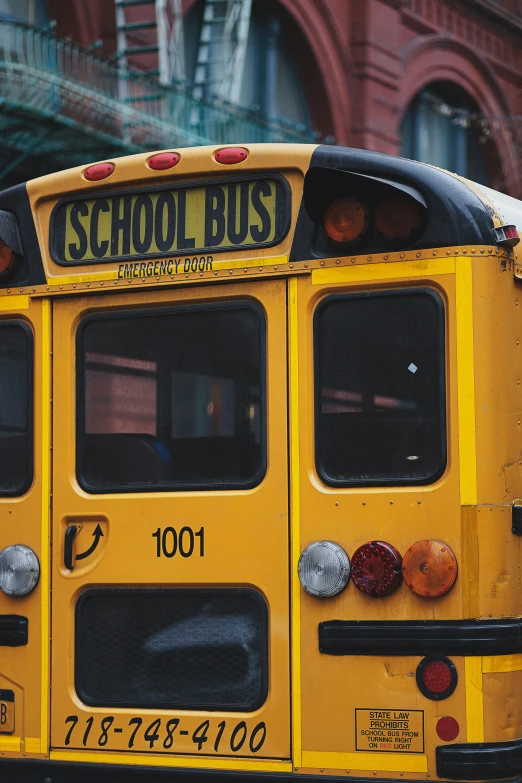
(36, 771)
(421, 637)
(480, 761)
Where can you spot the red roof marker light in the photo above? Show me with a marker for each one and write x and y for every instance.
(164, 160)
(231, 155)
(98, 171)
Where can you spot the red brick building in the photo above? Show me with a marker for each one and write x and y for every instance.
(439, 80)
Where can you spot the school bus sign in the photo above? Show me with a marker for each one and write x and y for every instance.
(159, 222)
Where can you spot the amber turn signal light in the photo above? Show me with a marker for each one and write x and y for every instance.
(429, 568)
(346, 220)
(8, 259)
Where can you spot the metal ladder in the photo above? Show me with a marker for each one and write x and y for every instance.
(222, 50)
(165, 20)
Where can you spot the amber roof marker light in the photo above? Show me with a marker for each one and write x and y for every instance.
(346, 220)
(429, 568)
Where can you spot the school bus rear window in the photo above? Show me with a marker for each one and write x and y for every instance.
(15, 409)
(380, 389)
(172, 399)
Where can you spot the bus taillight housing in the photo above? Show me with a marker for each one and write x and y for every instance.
(429, 568)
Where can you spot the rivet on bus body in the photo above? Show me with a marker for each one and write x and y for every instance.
(9, 290)
(456, 252)
(260, 268)
(418, 255)
(464, 251)
(186, 275)
(481, 249)
(101, 282)
(448, 252)
(434, 253)
(419, 502)
(369, 258)
(201, 274)
(490, 250)
(364, 502)
(21, 290)
(142, 279)
(215, 272)
(229, 272)
(116, 282)
(473, 250)
(385, 258)
(61, 288)
(353, 260)
(337, 262)
(402, 255)
(306, 266)
(292, 266)
(322, 264)
(34, 289)
(157, 278)
(245, 270)
(391, 502)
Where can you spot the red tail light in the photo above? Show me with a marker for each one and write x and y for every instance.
(98, 171)
(376, 568)
(436, 677)
(231, 155)
(8, 259)
(164, 160)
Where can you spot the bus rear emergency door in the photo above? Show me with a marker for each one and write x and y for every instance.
(170, 599)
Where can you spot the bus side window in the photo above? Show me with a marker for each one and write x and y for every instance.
(380, 388)
(16, 447)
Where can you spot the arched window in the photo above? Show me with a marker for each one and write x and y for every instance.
(443, 126)
(278, 79)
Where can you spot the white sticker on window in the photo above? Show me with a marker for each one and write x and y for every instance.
(412, 368)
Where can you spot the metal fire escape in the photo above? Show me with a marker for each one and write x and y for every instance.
(63, 105)
(222, 50)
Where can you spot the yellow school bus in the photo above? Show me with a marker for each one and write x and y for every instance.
(260, 471)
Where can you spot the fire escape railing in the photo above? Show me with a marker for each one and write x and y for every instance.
(59, 98)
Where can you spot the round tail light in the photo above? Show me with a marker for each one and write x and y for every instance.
(436, 677)
(19, 570)
(399, 217)
(324, 569)
(8, 259)
(429, 568)
(376, 568)
(346, 220)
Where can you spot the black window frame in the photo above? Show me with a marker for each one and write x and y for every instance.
(443, 442)
(137, 312)
(219, 591)
(26, 486)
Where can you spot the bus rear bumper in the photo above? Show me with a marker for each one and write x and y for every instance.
(480, 761)
(39, 771)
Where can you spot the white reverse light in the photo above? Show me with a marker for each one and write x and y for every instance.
(324, 569)
(19, 570)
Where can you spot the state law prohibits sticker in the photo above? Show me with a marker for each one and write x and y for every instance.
(398, 731)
